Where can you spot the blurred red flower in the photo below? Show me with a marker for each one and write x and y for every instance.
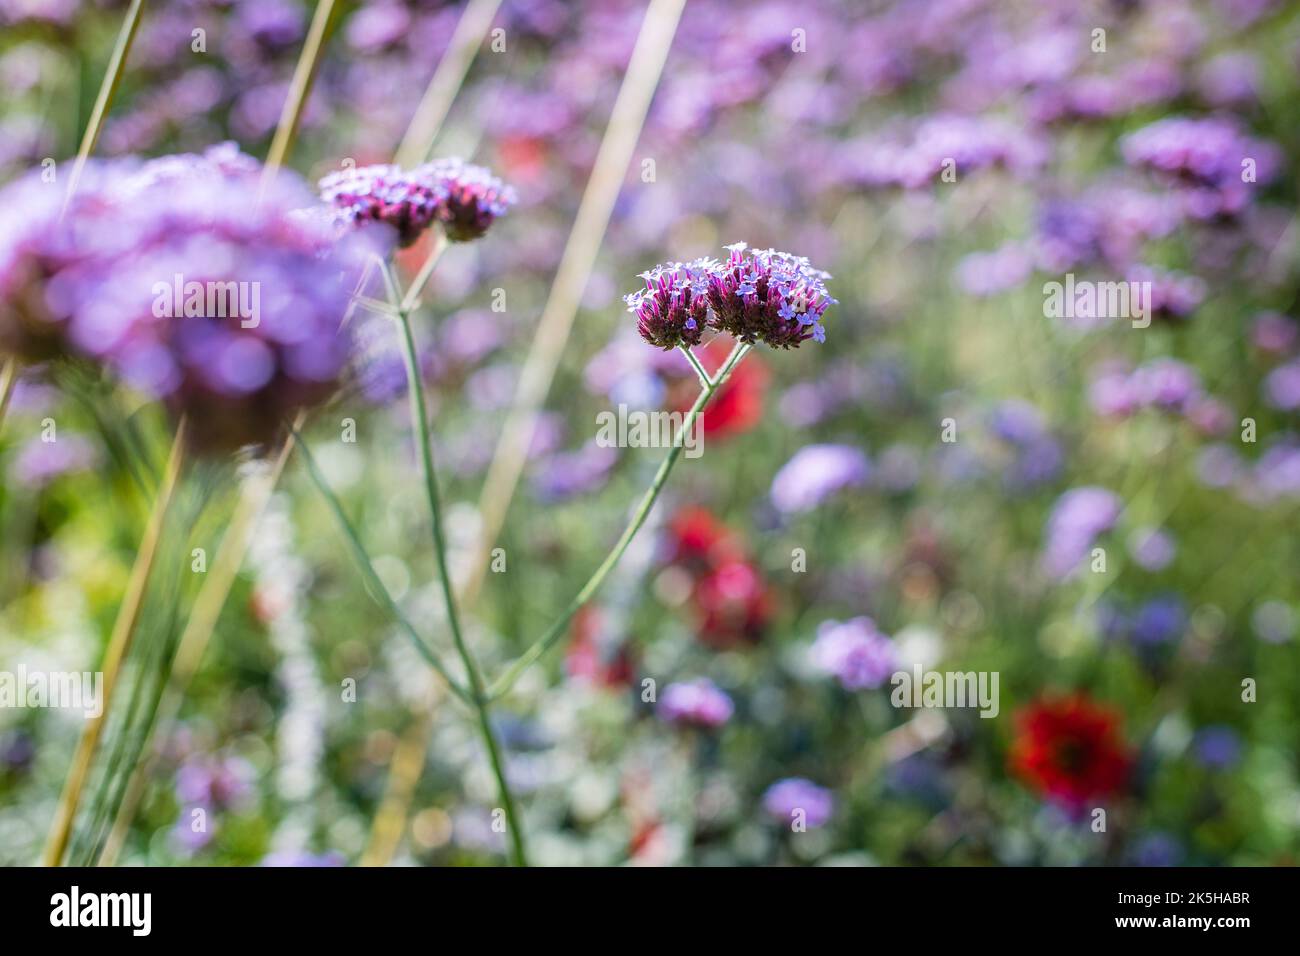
(732, 605)
(592, 658)
(697, 540)
(738, 405)
(729, 598)
(1070, 750)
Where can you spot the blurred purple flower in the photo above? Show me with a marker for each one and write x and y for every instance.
(855, 652)
(1157, 849)
(1230, 79)
(1167, 384)
(1077, 519)
(1217, 747)
(1161, 620)
(1205, 159)
(40, 462)
(1282, 387)
(569, 474)
(989, 273)
(1152, 548)
(815, 473)
(472, 197)
(795, 800)
(218, 782)
(408, 202)
(697, 703)
(1274, 333)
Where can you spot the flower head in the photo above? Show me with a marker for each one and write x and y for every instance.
(795, 799)
(1078, 518)
(409, 202)
(855, 652)
(1070, 750)
(732, 605)
(758, 295)
(1204, 158)
(181, 279)
(762, 295)
(815, 473)
(697, 703)
(472, 197)
(39, 241)
(672, 309)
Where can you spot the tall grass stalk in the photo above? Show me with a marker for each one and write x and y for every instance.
(128, 616)
(304, 76)
(107, 89)
(447, 79)
(8, 379)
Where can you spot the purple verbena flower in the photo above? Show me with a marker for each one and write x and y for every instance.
(1208, 159)
(795, 800)
(762, 295)
(409, 202)
(697, 703)
(1078, 518)
(1282, 386)
(1174, 296)
(1161, 620)
(220, 782)
(1167, 384)
(815, 473)
(672, 309)
(856, 652)
(472, 197)
(1274, 333)
(40, 462)
(1152, 548)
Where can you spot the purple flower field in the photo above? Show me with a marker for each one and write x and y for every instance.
(649, 432)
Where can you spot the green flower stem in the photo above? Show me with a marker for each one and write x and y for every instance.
(420, 424)
(695, 364)
(557, 630)
(362, 558)
(412, 297)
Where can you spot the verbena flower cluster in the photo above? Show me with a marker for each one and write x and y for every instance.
(1209, 160)
(386, 194)
(474, 197)
(177, 276)
(755, 295)
(697, 703)
(465, 199)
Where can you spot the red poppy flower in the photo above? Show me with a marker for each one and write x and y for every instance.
(1070, 750)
